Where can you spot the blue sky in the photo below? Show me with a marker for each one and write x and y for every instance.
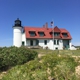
(64, 13)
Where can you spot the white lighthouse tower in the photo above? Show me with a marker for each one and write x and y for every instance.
(17, 33)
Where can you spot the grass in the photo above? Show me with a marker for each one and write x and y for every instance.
(69, 52)
(52, 66)
(43, 68)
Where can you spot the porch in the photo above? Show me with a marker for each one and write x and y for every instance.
(33, 43)
(66, 44)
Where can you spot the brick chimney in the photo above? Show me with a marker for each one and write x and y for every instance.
(46, 25)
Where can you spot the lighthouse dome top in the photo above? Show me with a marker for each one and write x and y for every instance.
(17, 23)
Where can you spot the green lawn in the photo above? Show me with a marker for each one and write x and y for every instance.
(70, 52)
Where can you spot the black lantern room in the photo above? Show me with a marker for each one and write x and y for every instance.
(17, 23)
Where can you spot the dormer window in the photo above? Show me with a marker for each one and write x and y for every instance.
(56, 34)
(32, 33)
(65, 34)
(41, 34)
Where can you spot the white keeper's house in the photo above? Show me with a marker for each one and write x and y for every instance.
(52, 38)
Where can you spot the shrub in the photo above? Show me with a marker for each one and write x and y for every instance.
(12, 56)
(49, 67)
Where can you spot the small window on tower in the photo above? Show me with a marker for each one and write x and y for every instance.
(17, 22)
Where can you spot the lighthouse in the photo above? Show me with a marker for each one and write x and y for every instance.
(17, 33)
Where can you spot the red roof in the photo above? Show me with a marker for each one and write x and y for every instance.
(47, 32)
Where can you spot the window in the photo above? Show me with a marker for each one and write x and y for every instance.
(55, 42)
(17, 22)
(32, 33)
(22, 43)
(65, 34)
(56, 34)
(45, 42)
(31, 42)
(41, 34)
(37, 42)
(56, 48)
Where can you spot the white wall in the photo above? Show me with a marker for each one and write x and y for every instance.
(24, 38)
(53, 47)
(17, 36)
(28, 42)
(49, 44)
(60, 44)
(71, 47)
(70, 44)
(41, 43)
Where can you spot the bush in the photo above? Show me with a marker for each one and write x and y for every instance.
(49, 67)
(11, 56)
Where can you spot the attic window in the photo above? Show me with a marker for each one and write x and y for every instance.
(56, 34)
(41, 34)
(32, 33)
(65, 34)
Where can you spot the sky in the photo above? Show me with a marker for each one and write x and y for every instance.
(64, 13)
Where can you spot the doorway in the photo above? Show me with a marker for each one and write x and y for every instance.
(31, 42)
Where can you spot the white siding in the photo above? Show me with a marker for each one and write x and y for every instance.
(41, 42)
(49, 44)
(53, 47)
(70, 44)
(61, 44)
(24, 38)
(28, 42)
(71, 47)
